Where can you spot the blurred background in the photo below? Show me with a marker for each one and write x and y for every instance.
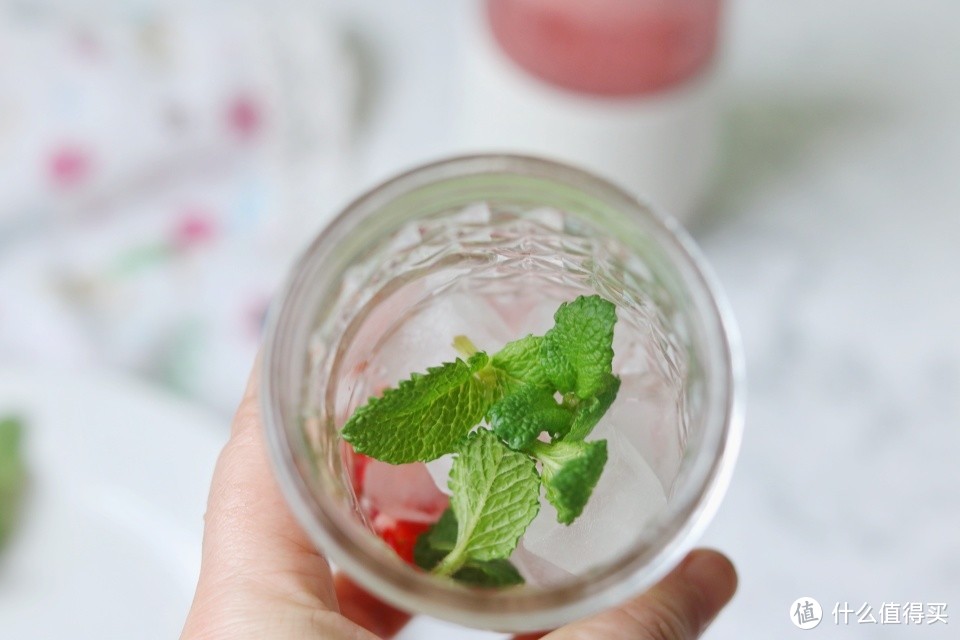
(162, 163)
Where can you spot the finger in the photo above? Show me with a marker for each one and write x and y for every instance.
(367, 610)
(250, 536)
(679, 607)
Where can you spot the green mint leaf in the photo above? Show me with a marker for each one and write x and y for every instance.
(518, 364)
(434, 544)
(489, 574)
(425, 416)
(520, 417)
(438, 541)
(494, 482)
(577, 353)
(496, 495)
(12, 473)
(571, 470)
(589, 412)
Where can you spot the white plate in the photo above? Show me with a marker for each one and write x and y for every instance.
(108, 542)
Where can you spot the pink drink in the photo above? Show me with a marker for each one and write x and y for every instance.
(607, 47)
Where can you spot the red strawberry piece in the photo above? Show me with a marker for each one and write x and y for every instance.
(401, 535)
(356, 465)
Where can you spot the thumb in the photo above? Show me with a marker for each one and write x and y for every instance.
(260, 576)
(679, 607)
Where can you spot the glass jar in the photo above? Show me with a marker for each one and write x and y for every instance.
(472, 241)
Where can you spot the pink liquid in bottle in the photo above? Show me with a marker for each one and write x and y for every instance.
(607, 47)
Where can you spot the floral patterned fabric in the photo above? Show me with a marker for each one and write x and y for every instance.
(159, 169)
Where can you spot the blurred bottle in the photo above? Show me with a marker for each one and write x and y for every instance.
(621, 87)
(161, 164)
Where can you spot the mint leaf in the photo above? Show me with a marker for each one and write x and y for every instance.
(438, 541)
(577, 353)
(589, 412)
(12, 473)
(571, 470)
(434, 544)
(520, 417)
(518, 364)
(496, 494)
(426, 416)
(492, 573)
(494, 480)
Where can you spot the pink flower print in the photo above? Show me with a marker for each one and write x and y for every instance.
(68, 166)
(244, 116)
(195, 227)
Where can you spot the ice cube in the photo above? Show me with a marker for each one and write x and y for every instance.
(522, 313)
(627, 497)
(646, 414)
(537, 571)
(425, 339)
(439, 470)
(360, 376)
(404, 492)
(631, 353)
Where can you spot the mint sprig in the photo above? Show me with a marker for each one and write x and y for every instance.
(518, 364)
(571, 470)
(437, 543)
(426, 416)
(559, 384)
(520, 417)
(577, 353)
(495, 496)
(588, 412)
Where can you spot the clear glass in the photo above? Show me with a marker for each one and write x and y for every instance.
(488, 246)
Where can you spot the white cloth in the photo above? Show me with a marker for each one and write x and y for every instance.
(159, 168)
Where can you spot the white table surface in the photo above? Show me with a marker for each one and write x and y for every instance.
(835, 226)
(107, 542)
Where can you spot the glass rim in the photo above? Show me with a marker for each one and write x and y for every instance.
(512, 610)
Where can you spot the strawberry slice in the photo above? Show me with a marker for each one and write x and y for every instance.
(356, 465)
(401, 535)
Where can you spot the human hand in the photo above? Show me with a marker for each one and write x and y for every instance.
(262, 579)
